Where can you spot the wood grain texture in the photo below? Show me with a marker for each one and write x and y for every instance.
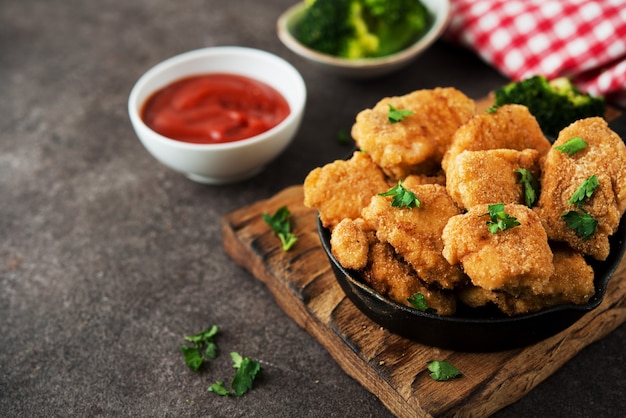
(391, 367)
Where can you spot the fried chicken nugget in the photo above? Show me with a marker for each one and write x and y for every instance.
(415, 233)
(517, 260)
(416, 144)
(478, 177)
(572, 282)
(350, 243)
(342, 188)
(388, 275)
(510, 126)
(562, 175)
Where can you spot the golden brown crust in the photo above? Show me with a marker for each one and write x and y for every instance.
(604, 157)
(510, 127)
(517, 260)
(342, 188)
(417, 144)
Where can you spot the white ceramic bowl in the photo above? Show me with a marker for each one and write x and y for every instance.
(368, 67)
(224, 162)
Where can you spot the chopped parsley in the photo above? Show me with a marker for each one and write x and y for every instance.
(500, 220)
(402, 197)
(530, 184)
(583, 224)
(397, 115)
(247, 371)
(584, 192)
(443, 370)
(419, 302)
(572, 146)
(280, 224)
(203, 347)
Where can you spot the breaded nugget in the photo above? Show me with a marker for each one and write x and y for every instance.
(415, 233)
(350, 243)
(390, 276)
(342, 188)
(517, 260)
(572, 282)
(416, 144)
(418, 179)
(510, 127)
(562, 175)
(478, 177)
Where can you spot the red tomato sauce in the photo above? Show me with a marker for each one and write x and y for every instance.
(214, 108)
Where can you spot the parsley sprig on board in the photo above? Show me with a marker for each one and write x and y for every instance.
(280, 224)
(442, 370)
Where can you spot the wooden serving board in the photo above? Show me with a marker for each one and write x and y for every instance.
(393, 368)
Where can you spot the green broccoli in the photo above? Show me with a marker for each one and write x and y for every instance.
(555, 104)
(362, 28)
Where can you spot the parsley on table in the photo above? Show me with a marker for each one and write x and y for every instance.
(402, 197)
(443, 370)
(530, 184)
(583, 224)
(584, 192)
(203, 346)
(418, 301)
(247, 371)
(280, 224)
(397, 115)
(343, 137)
(500, 220)
(572, 146)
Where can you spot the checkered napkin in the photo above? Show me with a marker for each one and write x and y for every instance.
(580, 39)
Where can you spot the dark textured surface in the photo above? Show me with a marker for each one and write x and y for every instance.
(107, 258)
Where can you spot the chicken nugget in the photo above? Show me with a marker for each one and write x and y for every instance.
(350, 243)
(388, 275)
(415, 233)
(517, 260)
(416, 144)
(342, 188)
(479, 177)
(510, 126)
(571, 283)
(604, 158)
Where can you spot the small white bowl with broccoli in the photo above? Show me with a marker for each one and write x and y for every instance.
(362, 38)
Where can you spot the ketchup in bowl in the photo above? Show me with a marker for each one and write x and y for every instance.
(214, 108)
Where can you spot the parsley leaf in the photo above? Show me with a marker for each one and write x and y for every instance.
(397, 115)
(402, 197)
(582, 223)
(530, 184)
(500, 220)
(203, 346)
(219, 389)
(572, 146)
(247, 371)
(343, 137)
(443, 370)
(419, 302)
(279, 222)
(584, 192)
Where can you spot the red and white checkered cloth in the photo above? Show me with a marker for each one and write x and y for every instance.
(581, 39)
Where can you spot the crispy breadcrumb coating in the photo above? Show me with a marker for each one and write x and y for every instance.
(604, 157)
(390, 276)
(509, 127)
(517, 260)
(479, 177)
(416, 144)
(342, 188)
(572, 282)
(415, 233)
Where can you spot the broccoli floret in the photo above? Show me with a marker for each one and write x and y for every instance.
(555, 104)
(361, 28)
